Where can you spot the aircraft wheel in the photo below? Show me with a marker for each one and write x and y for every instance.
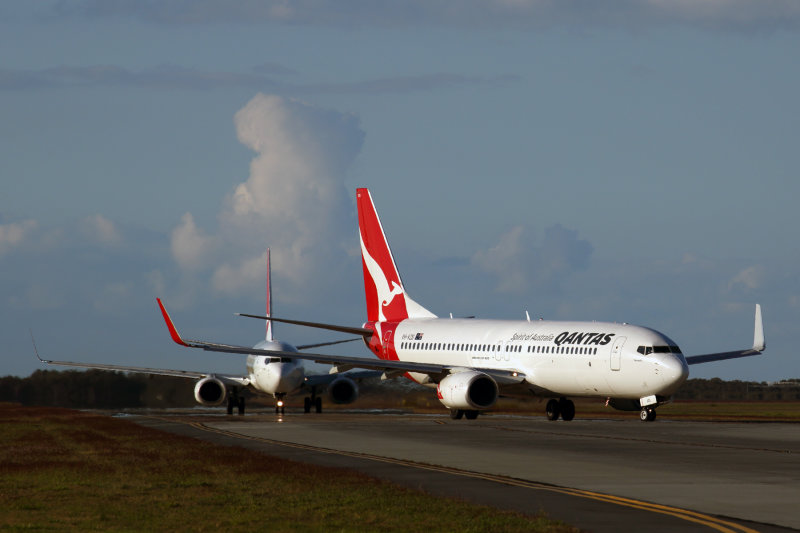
(306, 404)
(471, 415)
(456, 414)
(567, 409)
(552, 410)
(318, 404)
(647, 415)
(230, 405)
(240, 405)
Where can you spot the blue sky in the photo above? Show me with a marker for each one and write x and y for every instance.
(634, 163)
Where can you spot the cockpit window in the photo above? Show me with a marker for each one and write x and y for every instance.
(646, 350)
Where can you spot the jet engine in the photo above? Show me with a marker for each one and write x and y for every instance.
(468, 390)
(210, 391)
(343, 390)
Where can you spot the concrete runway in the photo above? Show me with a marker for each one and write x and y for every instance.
(749, 472)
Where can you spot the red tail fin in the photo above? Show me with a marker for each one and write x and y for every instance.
(269, 298)
(386, 297)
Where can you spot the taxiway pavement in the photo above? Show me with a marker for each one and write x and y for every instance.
(749, 472)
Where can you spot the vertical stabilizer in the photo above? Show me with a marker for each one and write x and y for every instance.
(269, 298)
(386, 297)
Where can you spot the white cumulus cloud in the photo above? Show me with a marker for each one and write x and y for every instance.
(190, 245)
(294, 200)
(15, 233)
(101, 230)
(750, 278)
(505, 260)
(519, 262)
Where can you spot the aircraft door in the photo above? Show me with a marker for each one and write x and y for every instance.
(616, 352)
(387, 338)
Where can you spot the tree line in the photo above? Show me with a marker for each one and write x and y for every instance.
(721, 390)
(99, 389)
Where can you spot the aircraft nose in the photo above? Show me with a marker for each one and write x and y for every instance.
(675, 371)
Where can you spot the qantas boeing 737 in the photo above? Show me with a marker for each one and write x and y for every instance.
(469, 361)
(276, 375)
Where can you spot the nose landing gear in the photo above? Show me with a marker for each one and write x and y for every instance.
(647, 414)
(280, 405)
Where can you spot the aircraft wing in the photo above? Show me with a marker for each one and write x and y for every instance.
(326, 379)
(329, 343)
(342, 363)
(189, 374)
(758, 346)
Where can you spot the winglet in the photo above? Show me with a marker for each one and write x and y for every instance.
(170, 325)
(35, 350)
(758, 335)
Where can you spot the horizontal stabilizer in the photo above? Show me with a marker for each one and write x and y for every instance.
(331, 343)
(332, 327)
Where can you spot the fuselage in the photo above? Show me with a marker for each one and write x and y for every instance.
(557, 358)
(275, 375)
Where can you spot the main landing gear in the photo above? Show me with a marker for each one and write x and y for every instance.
(314, 400)
(237, 401)
(561, 407)
(647, 414)
(458, 414)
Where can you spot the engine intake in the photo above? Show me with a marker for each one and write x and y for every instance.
(210, 391)
(343, 390)
(468, 390)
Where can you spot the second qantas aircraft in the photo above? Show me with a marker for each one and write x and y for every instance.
(469, 361)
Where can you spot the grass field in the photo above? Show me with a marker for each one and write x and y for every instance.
(68, 470)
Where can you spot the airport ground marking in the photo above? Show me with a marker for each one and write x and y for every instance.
(712, 522)
(635, 439)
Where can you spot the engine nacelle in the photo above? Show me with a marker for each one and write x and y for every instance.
(343, 390)
(468, 390)
(210, 391)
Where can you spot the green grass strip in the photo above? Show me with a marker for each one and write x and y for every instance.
(67, 470)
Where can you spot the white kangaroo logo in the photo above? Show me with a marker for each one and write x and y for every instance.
(385, 294)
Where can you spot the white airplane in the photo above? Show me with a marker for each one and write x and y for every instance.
(469, 361)
(276, 375)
